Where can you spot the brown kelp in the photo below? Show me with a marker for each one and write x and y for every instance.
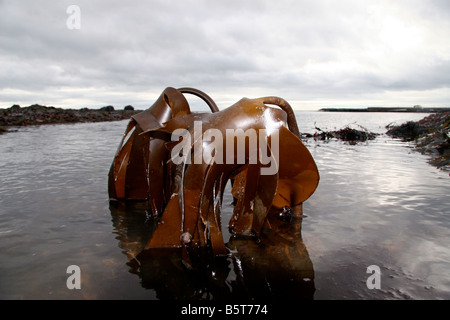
(181, 161)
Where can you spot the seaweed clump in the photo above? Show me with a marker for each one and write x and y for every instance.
(349, 134)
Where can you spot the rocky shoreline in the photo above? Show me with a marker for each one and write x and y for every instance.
(430, 135)
(37, 115)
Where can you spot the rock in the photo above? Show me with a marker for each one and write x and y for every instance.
(107, 108)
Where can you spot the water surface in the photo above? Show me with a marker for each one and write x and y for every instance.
(378, 203)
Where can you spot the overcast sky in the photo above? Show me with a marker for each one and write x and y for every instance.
(336, 53)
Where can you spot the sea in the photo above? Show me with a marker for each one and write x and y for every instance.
(377, 227)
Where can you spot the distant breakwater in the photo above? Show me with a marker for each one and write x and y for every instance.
(417, 109)
(39, 115)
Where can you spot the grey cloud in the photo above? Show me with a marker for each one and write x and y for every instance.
(230, 47)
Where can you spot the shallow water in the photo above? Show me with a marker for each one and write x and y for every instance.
(378, 203)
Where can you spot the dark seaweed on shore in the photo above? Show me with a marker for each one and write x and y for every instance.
(347, 133)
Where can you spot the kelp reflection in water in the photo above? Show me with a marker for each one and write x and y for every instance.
(278, 267)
